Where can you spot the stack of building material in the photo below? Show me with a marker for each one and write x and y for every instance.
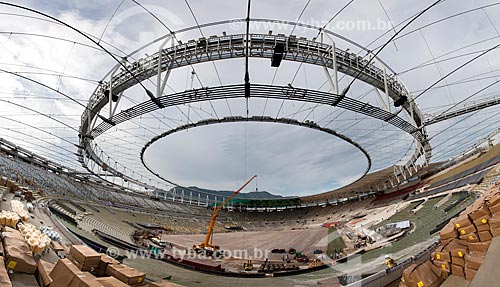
(126, 274)
(42, 273)
(465, 240)
(450, 257)
(104, 263)
(4, 276)
(424, 274)
(84, 258)
(9, 218)
(11, 185)
(111, 282)
(475, 258)
(67, 273)
(18, 254)
(18, 207)
(37, 241)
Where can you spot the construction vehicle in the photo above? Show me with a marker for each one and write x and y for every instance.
(315, 263)
(207, 246)
(318, 251)
(389, 261)
(248, 266)
(158, 242)
(301, 257)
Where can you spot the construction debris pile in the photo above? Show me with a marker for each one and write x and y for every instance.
(464, 243)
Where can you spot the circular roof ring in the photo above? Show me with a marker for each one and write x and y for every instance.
(286, 121)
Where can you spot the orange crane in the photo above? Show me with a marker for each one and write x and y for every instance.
(207, 245)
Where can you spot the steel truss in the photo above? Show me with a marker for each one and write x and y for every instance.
(475, 106)
(215, 48)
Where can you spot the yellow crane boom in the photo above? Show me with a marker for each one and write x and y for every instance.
(207, 242)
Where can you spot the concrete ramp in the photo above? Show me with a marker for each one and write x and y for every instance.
(488, 274)
(455, 281)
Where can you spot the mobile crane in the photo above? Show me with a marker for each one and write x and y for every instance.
(207, 247)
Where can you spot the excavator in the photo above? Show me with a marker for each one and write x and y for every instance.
(207, 247)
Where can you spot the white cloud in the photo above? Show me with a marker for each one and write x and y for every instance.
(290, 161)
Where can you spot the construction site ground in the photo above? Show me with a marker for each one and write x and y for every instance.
(305, 240)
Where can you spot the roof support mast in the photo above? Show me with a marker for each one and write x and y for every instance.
(247, 54)
(334, 83)
(208, 239)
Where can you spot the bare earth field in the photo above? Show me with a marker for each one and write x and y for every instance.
(305, 240)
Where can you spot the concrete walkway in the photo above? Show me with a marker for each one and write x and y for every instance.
(488, 274)
(455, 281)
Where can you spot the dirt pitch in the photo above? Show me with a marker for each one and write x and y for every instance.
(305, 240)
